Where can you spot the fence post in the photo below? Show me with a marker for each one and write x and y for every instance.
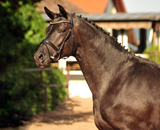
(42, 84)
(68, 78)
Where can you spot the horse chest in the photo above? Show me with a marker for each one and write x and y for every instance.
(99, 122)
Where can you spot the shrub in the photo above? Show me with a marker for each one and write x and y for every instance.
(20, 92)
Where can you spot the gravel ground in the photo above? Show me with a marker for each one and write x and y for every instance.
(72, 114)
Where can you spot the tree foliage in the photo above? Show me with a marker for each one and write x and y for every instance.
(22, 29)
(154, 54)
(15, 3)
(20, 33)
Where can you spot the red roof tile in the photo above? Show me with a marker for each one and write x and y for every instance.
(52, 5)
(91, 6)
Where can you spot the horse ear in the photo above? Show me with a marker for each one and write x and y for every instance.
(49, 13)
(62, 11)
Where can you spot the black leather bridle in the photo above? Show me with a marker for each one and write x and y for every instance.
(56, 55)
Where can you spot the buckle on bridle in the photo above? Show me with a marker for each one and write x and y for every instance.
(56, 56)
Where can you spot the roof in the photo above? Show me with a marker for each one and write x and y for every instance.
(123, 17)
(91, 6)
(122, 20)
(52, 5)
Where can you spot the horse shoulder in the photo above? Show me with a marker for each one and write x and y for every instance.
(130, 100)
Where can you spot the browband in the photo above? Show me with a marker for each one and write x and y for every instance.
(60, 22)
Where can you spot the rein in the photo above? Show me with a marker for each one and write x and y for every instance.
(56, 55)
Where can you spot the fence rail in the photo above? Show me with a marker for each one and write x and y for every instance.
(39, 69)
(45, 86)
(54, 85)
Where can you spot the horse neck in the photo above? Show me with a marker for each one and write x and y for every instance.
(98, 55)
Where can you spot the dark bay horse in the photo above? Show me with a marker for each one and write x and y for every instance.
(125, 88)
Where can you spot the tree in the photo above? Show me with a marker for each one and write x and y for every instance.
(15, 3)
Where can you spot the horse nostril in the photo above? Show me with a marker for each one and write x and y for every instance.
(41, 58)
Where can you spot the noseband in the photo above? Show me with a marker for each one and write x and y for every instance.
(56, 55)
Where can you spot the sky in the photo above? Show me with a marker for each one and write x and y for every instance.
(133, 6)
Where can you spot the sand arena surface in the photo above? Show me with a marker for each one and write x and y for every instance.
(74, 113)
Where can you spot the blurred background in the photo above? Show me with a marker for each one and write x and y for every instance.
(136, 24)
(22, 94)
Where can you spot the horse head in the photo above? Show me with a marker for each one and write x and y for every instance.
(59, 35)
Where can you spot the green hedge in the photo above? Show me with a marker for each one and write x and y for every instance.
(21, 95)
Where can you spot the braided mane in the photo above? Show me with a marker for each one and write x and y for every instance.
(107, 33)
